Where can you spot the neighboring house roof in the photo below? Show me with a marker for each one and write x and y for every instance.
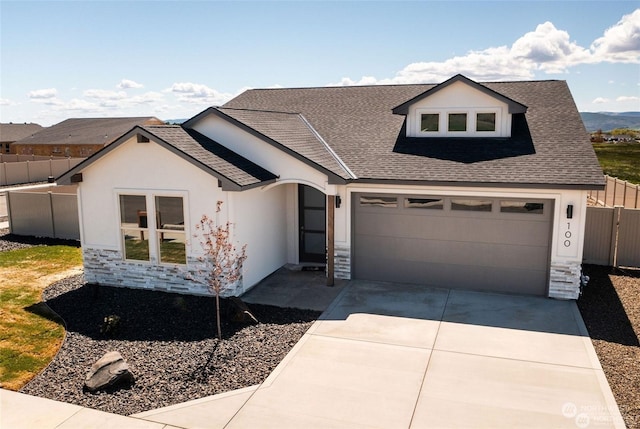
(549, 146)
(87, 131)
(232, 170)
(12, 132)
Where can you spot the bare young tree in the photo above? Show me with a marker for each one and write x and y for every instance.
(223, 260)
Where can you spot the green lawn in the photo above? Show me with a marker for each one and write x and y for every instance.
(30, 335)
(621, 160)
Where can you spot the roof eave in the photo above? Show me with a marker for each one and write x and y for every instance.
(568, 186)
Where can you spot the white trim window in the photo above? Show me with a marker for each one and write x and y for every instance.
(463, 122)
(152, 228)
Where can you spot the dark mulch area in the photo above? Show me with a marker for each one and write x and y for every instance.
(169, 341)
(610, 307)
(13, 242)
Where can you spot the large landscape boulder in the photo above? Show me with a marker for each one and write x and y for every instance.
(240, 313)
(109, 372)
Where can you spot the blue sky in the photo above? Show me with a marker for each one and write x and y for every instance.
(172, 59)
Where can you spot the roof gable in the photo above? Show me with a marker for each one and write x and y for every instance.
(234, 172)
(514, 106)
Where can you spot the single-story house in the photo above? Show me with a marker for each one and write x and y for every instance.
(10, 133)
(78, 137)
(459, 184)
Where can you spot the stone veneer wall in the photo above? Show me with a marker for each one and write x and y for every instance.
(342, 261)
(564, 282)
(108, 268)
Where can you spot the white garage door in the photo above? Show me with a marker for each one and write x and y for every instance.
(496, 244)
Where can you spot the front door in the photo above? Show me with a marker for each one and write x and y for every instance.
(311, 209)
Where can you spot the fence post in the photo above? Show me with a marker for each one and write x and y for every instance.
(613, 249)
(8, 197)
(53, 220)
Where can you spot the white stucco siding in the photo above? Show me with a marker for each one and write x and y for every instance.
(143, 168)
(459, 98)
(288, 168)
(260, 222)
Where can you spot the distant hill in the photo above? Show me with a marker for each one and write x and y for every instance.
(174, 121)
(607, 121)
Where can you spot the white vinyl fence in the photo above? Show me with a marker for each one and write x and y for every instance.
(612, 237)
(18, 169)
(617, 193)
(44, 212)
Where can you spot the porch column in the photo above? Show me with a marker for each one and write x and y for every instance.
(331, 207)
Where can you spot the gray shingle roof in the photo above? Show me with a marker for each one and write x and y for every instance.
(13, 132)
(211, 154)
(80, 131)
(550, 146)
(292, 131)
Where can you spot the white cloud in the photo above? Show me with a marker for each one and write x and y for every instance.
(102, 94)
(5, 102)
(77, 104)
(620, 43)
(547, 49)
(198, 93)
(600, 100)
(42, 94)
(146, 98)
(625, 98)
(128, 84)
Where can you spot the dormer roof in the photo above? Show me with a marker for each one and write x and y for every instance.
(514, 106)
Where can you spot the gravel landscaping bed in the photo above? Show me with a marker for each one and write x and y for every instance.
(610, 307)
(169, 342)
(14, 242)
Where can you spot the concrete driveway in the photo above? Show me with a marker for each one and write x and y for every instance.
(403, 356)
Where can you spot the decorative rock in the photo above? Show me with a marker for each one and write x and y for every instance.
(240, 313)
(108, 372)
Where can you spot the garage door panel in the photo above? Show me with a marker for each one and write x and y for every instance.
(507, 252)
(442, 228)
(457, 276)
(439, 251)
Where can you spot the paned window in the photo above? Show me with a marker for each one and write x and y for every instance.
(457, 122)
(134, 227)
(429, 122)
(474, 205)
(424, 203)
(485, 122)
(376, 201)
(521, 207)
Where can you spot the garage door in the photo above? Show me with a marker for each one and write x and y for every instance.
(496, 244)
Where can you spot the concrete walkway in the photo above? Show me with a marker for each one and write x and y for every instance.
(401, 356)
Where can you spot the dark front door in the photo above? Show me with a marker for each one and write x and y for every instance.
(311, 208)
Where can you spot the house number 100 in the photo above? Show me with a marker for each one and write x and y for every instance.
(567, 235)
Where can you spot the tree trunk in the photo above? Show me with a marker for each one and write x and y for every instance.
(218, 316)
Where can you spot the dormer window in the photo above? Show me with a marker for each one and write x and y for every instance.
(457, 122)
(430, 122)
(485, 122)
(459, 108)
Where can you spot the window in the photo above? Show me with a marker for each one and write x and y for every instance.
(138, 230)
(471, 205)
(485, 122)
(375, 201)
(429, 122)
(521, 207)
(170, 230)
(423, 203)
(134, 227)
(457, 122)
